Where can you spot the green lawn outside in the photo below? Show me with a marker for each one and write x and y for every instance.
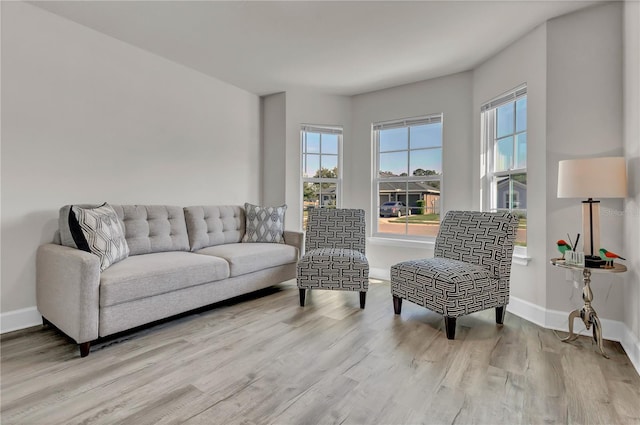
(430, 218)
(418, 218)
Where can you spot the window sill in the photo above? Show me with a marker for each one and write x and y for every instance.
(520, 258)
(401, 243)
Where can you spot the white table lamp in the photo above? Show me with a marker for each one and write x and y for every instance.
(592, 178)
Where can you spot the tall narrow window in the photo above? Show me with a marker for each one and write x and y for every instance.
(504, 121)
(409, 176)
(321, 173)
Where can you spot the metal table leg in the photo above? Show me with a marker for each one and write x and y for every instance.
(587, 314)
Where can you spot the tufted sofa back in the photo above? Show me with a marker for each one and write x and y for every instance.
(214, 225)
(160, 228)
(153, 228)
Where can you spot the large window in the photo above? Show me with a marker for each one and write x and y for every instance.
(504, 122)
(321, 174)
(408, 176)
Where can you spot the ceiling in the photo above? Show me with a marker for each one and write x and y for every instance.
(336, 47)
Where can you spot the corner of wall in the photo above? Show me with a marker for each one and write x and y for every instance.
(631, 108)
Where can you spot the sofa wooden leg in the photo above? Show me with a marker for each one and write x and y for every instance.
(363, 298)
(45, 322)
(85, 348)
(302, 294)
(500, 312)
(450, 327)
(397, 304)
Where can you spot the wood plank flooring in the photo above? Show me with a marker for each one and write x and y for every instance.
(265, 360)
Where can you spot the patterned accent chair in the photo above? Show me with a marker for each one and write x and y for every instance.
(335, 253)
(469, 272)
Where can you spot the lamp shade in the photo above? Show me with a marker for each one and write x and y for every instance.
(592, 178)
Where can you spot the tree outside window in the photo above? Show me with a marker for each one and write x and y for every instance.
(321, 178)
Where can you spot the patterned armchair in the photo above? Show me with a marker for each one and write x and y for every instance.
(335, 253)
(469, 272)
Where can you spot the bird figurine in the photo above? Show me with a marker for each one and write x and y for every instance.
(608, 258)
(563, 247)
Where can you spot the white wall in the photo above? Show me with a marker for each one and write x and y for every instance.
(450, 95)
(572, 67)
(283, 116)
(631, 104)
(274, 152)
(87, 118)
(524, 61)
(584, 119)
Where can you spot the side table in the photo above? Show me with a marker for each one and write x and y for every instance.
(587, 313)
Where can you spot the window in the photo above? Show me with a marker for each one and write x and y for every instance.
(408, 176)
(504, 122)
(321, 174)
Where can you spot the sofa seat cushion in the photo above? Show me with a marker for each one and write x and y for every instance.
(147, 275)
(246, 258)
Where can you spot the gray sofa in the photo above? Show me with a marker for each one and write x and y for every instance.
(180, 259)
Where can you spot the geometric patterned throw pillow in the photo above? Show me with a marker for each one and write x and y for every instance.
(264, 224)
(99, 230)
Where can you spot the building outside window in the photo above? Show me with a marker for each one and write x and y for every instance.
(408, 178)
(321, 168)
(504, 135)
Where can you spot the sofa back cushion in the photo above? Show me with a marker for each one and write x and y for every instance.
(214, 225)
(153, 228)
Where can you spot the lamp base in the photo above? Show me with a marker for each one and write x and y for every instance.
(593, 261)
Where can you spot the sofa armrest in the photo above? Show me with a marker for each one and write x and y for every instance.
(296, 239)
(68, 290)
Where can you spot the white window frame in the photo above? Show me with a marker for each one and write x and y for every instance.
(402, 123)
(489, 195)
(515, 199)
(322, 129)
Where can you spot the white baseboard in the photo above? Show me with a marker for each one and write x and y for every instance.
(529, 311)
(612, 330)
(382, 274)
(631, 345)
(19, 319)
(559, 320)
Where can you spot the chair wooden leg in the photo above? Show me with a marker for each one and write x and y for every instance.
(500, 312)
(45, 322)
(302, 294)
(363, 298)
(397, 304)
(450, 327)
(85, 348)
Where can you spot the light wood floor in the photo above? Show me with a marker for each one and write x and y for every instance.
(266, 360)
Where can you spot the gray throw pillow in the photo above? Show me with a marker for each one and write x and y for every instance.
(94, 229)
(264, 224)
